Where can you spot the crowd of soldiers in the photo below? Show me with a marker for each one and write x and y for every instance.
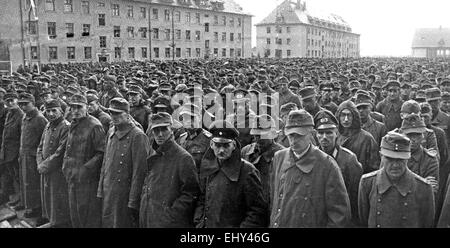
(228, 143)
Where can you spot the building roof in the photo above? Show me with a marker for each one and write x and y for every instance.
(431, 37)
(229, 6)
(296, 13)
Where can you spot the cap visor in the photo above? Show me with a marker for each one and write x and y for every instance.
(326, 126)
(297, 130)
(78, 103)
(307, 97)
(414, 130)
(161, 125)
(23, 101)
(363, 104)
(160, 106)
(433, 99)
(392, 154)
(221, 140)
(265, 134)
(116, 110)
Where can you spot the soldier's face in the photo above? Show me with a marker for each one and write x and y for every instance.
(327, 138)
(118, 118)
(26, 106)
(53, 114)
(298, 142)
(364, 111)
(92, 107)
(434, 105)
(416, 140)
(394, 167)
(134, 98)
(223, 151)
(161, 134)
(309, 103)
(11, 103)
(78, 111)
(393, 93)
(445, 105)
(346, 118)
(262, 141)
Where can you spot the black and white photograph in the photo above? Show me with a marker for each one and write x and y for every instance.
(237, 115)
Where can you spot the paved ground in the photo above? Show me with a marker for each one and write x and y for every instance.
(14, 219)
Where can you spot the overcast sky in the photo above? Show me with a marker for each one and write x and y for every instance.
(386, 26)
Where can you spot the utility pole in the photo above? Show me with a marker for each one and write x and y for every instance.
(150, 30)
(173, 36)
(21, 33)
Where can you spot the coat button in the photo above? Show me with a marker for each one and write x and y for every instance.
(281, 195)
(379, 199)
(378, 213)
(121, 155)
(118, 180)
(406, 204)
(279, 210)
(275, 224)
(120, 162)
(306, 198)
(404, 218)
(378, 226)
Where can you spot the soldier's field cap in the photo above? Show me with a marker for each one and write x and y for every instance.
(410, 107)
(52, 104)
(324, 119)
(119, 105)
(396, 145)
(307, 92)
(161, 119)
(299, 122)
(134, 90)
(363, 99)
(265, 127)
(26, 98)
(161, 102)
(91, 97)
(223, 131)
(11, 95)
(78, 99)
(413, 125)
(433, 94)
(288, 107)
(446, 96)
(294, 84)
(420, 96)
(392, 83)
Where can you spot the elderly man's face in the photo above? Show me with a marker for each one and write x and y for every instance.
(223, 151)
(346, 118)
(162, 134)
(299, 142)
(394, 167)
(118, 118)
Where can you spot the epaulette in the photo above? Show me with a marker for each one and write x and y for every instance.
(431, 153)
(370, 174)
(347, 151)
(206, 133)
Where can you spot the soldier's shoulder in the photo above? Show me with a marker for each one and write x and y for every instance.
(247, 166)
(347, 151)
(281, 152)
(420, 180)
(369, 176)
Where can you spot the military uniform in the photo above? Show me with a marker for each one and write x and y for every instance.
(391, 111)
(141, 114)
(424, 163)
(196, 143)
(375, 128)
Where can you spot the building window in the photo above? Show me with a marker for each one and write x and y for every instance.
(131, 52)
(178, 52)
(143, 13)
(102, 41)
(70, 52)
(224, 52)
(231, 52)
(197, 18)
(279, 41)
(32, 27)
(267, 53)
(232, 37)
(85, 7)
(239, 23)
(115, 10)
(51, 29)
(101, 20)
(279, 30)
(268, 41)
(34, 52)
(178, 34)
(188, 34)
(144, 52)
(50, 5)
(188, 17)
(52, 52)
(197, 52)
(288, 30)
(308, 32)
(216, 20)
(216, 36)
(288, 41)
(206, 27)
(155, 14)
(207, 44)
(288, 53)
(239, 37)
(309, 54)
(68, 6)
(238, 52)
(143, 32)
(69, 30)
(231, 22)
(167, 32)
(177, 16)
(197, 35)
(88, 53)
(130, 11)
(216, 52)
(156, 52)
(224, 36)
(224, 20)
(116, 31)
(130, 31)
(167, 52)
(268, 30)
(117, 52)
(188, 53)
(86, 30)
(101, 4)
(156, 33)
(167, 15)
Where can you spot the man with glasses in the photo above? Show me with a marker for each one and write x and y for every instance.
(390, 107)
(82, 162)
(33, 125)
(123, 170)
(231, 190)
(171, 186)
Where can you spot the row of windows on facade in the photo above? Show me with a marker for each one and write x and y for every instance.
(333, 44)
(51, 30)
(311, 53)
(53, 52)
(442, 52)
(324, 24)
(115, 11)
(278, 30)
(328, 34)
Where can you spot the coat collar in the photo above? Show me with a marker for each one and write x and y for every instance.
(231, 167)
(122, 133)
(369, 122)
(304, 163)
(56, 122)
(404, 186)
(162, 149)
(33, 113)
